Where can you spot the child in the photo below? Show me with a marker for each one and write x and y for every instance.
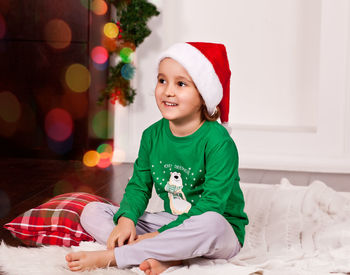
(193, 163)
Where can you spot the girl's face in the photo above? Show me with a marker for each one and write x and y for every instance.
(177, 96)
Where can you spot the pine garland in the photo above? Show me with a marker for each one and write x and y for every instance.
(132, 16)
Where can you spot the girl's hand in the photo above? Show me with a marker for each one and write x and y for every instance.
(145, 236)
(124, 230)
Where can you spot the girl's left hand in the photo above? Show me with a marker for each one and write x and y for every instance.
(144, 236)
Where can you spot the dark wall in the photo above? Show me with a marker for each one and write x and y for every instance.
(39, 41)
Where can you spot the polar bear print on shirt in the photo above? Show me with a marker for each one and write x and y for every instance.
(177, 199)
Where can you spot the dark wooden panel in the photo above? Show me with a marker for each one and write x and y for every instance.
(27, 20)
(33, 62)
(35, 74)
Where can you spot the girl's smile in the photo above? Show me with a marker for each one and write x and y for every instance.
(170, 104)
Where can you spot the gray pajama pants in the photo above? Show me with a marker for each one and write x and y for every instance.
(207, 235)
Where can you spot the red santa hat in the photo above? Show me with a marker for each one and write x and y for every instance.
(208, 66)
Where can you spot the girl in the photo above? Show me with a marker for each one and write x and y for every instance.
(193, 163)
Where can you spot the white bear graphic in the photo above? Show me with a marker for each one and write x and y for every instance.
(178, 202)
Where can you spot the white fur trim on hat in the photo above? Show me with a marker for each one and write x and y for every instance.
(201, 71)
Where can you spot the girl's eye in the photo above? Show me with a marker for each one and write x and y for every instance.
(181, 84)
(161, 81)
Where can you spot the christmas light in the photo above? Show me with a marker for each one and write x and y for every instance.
(99, 7)
(99, 55)
(57, 34)
(78, 78)
(58, 124)
(91, 158)
(10, 108)
(111, 30)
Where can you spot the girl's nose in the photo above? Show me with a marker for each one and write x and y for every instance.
(169, 91)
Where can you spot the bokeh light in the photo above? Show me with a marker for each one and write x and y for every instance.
(78, 78)
(105, 160)
(101, 158)
(58, 124)
(10, 108)
(100, 124)
(126, 54)
(60, 147)
(128, 71)
(99, 55)
(109, 43)
(58, 34)
(111, 30)
(2, 26)
(99, 7)
(105, 148)
(5, 204)
(91, 158)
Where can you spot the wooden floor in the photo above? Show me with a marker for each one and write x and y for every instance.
(26, 183)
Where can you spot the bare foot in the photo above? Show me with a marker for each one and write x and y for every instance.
(154, 267)
(87, 260)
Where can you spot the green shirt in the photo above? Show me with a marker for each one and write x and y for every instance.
(192, 175)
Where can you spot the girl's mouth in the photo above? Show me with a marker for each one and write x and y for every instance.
(170, 104)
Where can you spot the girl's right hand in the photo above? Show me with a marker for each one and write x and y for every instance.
(124, 230)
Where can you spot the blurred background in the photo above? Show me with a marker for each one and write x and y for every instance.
(48, 82)
(290, 92)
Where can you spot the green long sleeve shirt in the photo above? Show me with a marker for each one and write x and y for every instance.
(192, 175)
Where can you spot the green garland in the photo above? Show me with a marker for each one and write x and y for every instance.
(132, 16)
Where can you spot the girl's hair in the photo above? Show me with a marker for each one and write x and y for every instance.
(207, 116)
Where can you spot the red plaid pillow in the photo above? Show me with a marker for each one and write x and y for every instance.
(56, 222)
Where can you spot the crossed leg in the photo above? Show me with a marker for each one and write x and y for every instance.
(205, 235)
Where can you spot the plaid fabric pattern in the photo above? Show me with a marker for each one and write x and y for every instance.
(56, 222)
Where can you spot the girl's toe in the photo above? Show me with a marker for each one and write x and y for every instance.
(73, 264)
(75, 268)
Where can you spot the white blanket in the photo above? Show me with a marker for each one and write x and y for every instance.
(296, 230)
(292, 230)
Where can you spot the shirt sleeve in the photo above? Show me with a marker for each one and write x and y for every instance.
(139, 188)
(220, 178)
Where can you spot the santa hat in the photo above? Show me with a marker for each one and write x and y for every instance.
(208, 67)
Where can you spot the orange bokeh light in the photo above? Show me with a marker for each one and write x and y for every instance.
(99, 7)
(58, 34)
(91, 158)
